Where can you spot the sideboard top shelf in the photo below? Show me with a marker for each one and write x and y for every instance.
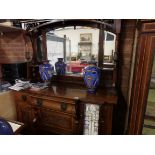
(70, 91)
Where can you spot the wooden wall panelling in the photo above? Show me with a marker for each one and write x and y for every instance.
(148, 27)
(125, 50)
(131, 74)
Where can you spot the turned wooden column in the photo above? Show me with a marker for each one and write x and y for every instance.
(44, 45)
(101, 48)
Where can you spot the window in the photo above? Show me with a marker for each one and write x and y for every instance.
(110, 37)
(55, 47)
(109, 47)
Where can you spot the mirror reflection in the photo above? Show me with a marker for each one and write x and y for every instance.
(78, 45)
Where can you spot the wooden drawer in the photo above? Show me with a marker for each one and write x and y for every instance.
(54, 105)
(21, 97)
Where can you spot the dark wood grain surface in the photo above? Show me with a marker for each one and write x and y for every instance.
(70, 91)
(141, 78)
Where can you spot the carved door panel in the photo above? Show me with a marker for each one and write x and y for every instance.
(105, 121)
(56, 122)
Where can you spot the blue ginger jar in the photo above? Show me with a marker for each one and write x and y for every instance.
(91, 74)
(60, 67)
(46, 71)
(5, 128)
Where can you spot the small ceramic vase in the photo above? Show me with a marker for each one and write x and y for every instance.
(91, 74)
(46, 71)
(60, 67)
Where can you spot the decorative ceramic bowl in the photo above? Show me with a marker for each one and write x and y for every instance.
(5, 128)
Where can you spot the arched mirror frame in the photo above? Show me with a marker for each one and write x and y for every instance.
(46, 27)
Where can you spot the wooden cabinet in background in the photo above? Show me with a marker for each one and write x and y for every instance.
(60, 109)
(142, 74)
(15, 45)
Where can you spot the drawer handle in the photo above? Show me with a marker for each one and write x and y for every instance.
(63, 106)
(39, 102)
(24, 98)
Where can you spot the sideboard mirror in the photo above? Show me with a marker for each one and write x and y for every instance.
(78, 45)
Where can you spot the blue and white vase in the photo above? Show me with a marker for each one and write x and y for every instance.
(60, 67)
(91, 74)
(46, 71)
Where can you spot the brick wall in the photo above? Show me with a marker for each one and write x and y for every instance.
(13, 47)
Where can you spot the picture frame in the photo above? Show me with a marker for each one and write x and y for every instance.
(86, 37)
(85, 48)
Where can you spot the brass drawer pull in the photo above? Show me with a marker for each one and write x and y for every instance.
(39, 102)
(63, 106)
(24, 98)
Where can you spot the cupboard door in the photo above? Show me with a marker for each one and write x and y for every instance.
(56, 122)
(24, 110)
(105, 121)
(141, 82)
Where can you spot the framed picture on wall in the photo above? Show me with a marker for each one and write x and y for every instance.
(84, 48)
(86, 37)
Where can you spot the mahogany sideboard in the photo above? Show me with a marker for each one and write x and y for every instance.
(60, 109)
